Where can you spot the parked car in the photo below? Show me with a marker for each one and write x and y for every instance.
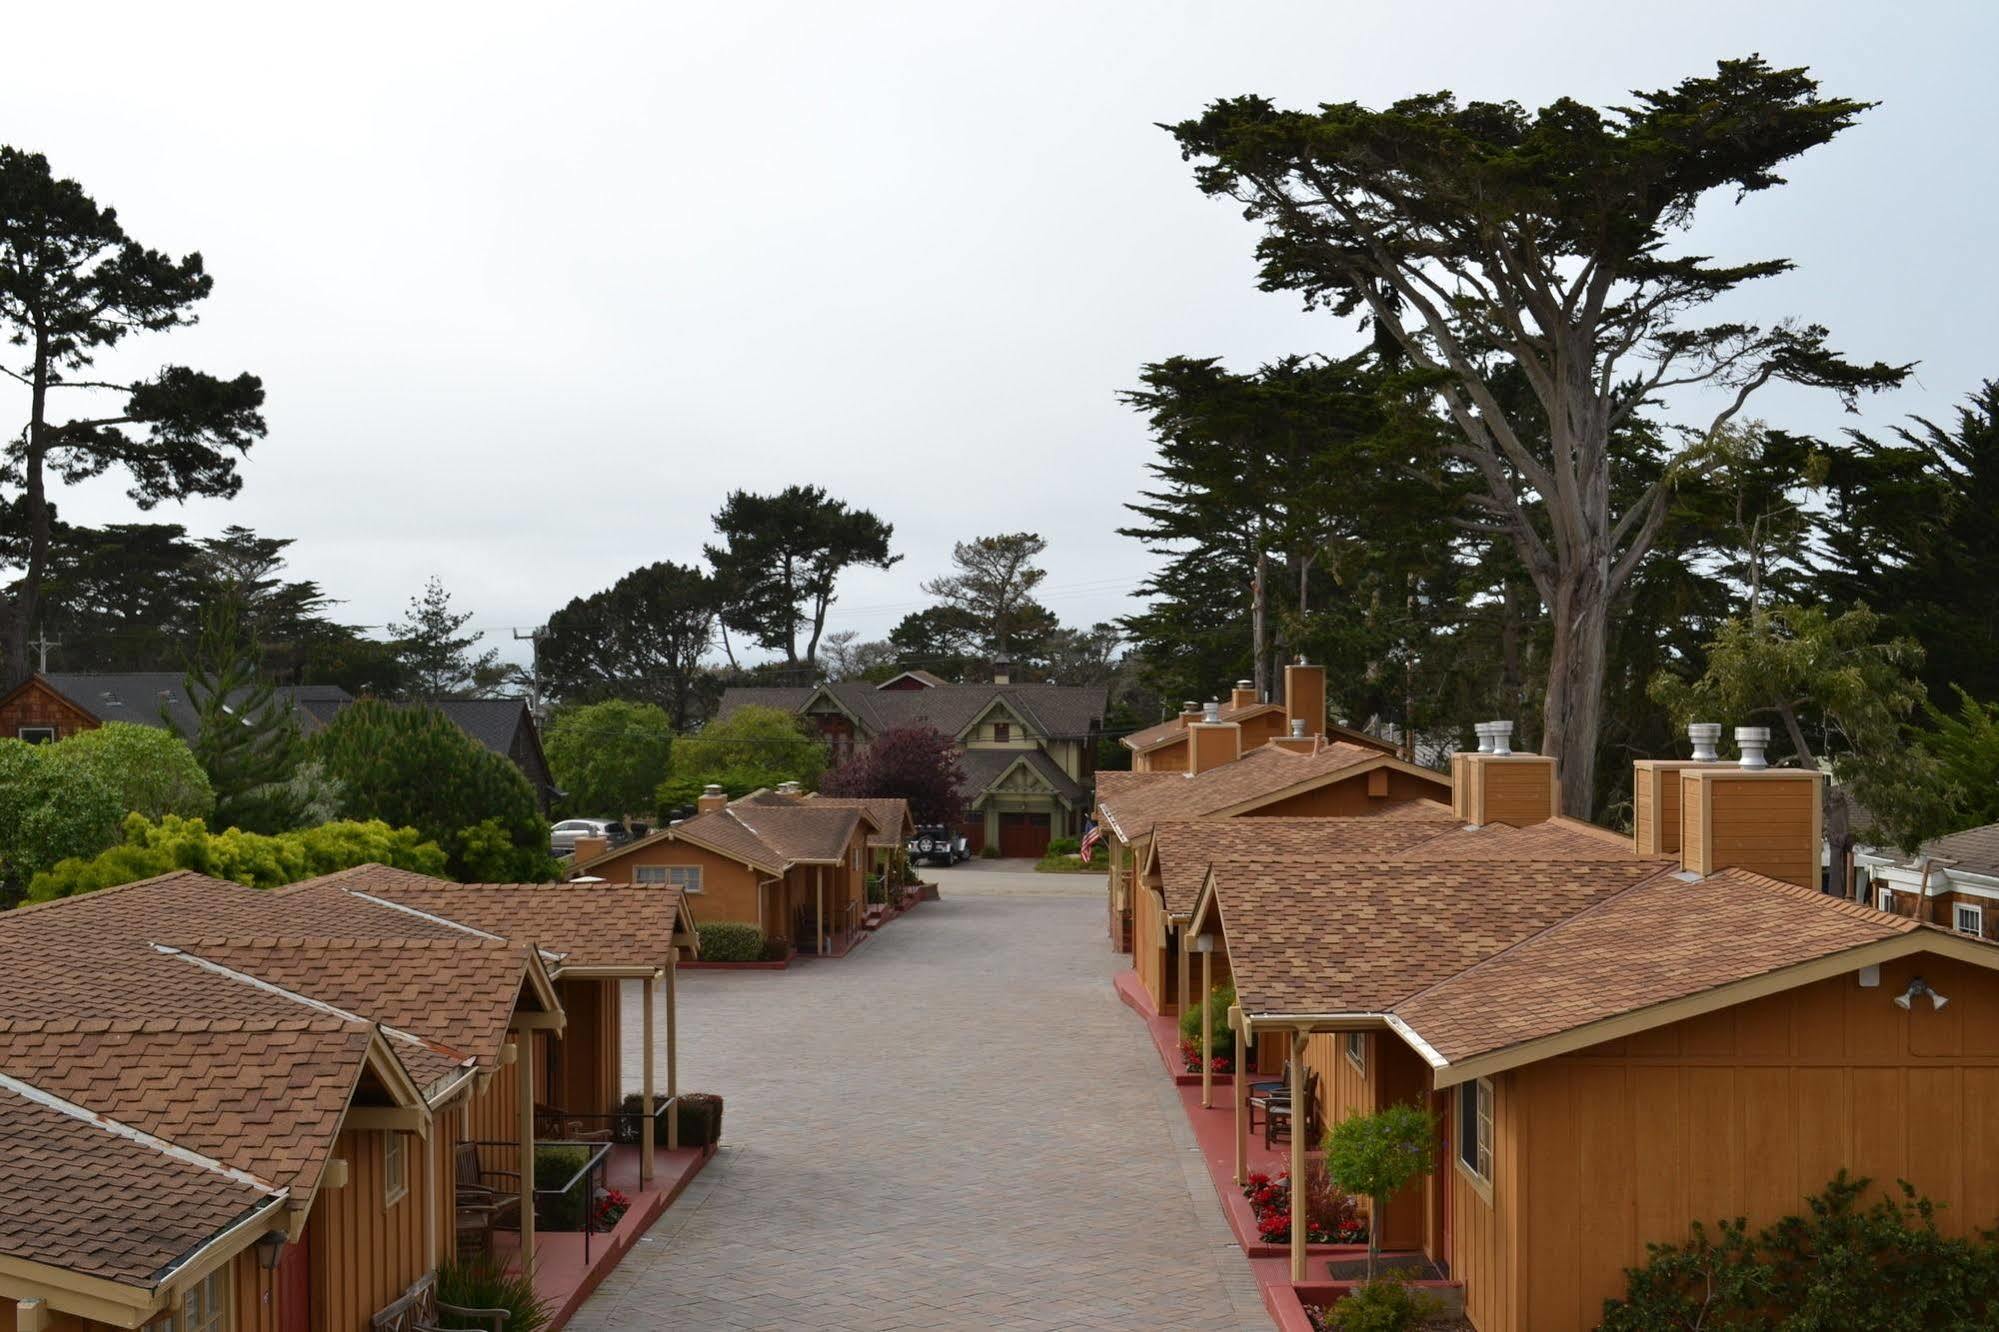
(563, 836)
(938, 845)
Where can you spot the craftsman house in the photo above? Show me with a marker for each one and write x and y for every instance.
(1950, 881)
(795, 868)
(1618, 1036)
(226, 1108)
(46, 708)
(1029, 750)
(1300, 774)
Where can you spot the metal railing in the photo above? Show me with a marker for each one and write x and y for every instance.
(575, 1198)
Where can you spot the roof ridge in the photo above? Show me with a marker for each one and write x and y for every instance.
(117, 1127)
(182, 1025)
(98, 893)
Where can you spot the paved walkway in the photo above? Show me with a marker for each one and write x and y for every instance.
(958, 1126)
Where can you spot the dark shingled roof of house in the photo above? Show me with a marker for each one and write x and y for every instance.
(1056, 711)
(1975, 849)
(983, 767)
(137, 697)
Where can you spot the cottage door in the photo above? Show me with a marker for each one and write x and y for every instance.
(294, 1285)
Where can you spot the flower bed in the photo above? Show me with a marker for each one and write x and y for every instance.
(1190, 1054)
(1332, 1216)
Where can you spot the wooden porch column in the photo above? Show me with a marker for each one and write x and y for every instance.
(1242, 1047)
(1300, 1117)
(672, 1051)
(1207, 1022)
(524, 1079)
(819, 906)
(645, 1090)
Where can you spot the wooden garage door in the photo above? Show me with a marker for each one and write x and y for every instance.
(1023, 835)
(974, 831)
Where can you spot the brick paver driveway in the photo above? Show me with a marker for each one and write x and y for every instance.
(957, 1126)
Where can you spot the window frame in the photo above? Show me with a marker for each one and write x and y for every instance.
(1002, 733)
(395, 1169)
(1356, 1050)
(35, 735)
(689, 881)
(214, 1301)
(1884, 900)
(1474, 1148)
(1977, 930)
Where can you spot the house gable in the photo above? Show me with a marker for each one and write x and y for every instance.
(35, 706)
(1020, 728)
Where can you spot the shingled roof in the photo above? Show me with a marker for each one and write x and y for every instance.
(1181, 850)
(1056, 711)
(771, 835)
(1131, 808)
(983, 767)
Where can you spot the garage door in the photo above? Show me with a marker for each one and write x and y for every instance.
(1023, 835)
(975, 835)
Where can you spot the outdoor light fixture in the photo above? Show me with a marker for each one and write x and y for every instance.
(270, 1247)
(1918, 987)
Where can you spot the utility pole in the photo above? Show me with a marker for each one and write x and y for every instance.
(534, 637)
(42, 646)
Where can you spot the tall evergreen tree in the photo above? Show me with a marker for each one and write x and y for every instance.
(246, 737)
(437, 656)
(642, 638)
(994, 584)
(73, 285)
(781, 558)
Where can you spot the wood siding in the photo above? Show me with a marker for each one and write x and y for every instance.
(728, 887)
(1485, 1225)
(366, 1252)
(1744, 1112)
(1765, 821)
(586, 1057)
(35, 704)
(1389, 1073)
(1152, 962)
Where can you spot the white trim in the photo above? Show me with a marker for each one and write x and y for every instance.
(1884, 900)
(1416, 1042)
(393, 1193)
(1957, 911)
(423, 915)
(48, 1100)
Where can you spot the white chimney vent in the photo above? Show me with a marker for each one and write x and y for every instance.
(1502, 737)
(1245, 684)
(1190, 706)
(1484, 730)
(1212, 712)
(1298, 728)
(1752, 741)
(1704, 737)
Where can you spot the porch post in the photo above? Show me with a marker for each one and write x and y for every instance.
(524, 1080)
(1300, 1117)
(645, 1090)
(672, 1050)
(819, 908)
(1242, 1049)
(1184, 964)
(1207, 1023)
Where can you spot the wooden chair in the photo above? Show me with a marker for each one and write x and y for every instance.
(554, 1124)
(1263, 1093)
(1277, 1115)
(417, 1310)
(481, 1207)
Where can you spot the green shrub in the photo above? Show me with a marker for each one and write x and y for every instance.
(877, 891)
(777, 949)
(730, 941)
(1064, 846)
(1376, 1155)
(700, 1115)
(989, 853)
(484, 1283)
(1884, 1265)
(50, 811)
(1385, 1304)
(1221, 999)
(175, 843)
(152, 771)
(553, 1166)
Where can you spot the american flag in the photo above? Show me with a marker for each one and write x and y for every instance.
(1091, 836)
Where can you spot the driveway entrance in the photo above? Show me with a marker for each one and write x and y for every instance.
(956, 1126)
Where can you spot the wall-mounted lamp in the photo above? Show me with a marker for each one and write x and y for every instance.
(270, 1248)
(1917, 988)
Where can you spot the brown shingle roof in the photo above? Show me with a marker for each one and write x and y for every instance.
(1662, 939)
(801, 833)
(261, 1096)
(1359, 937)
(1183, 849)
(1264, 772)
(890, 814)
(588, 924)
(75, 1195)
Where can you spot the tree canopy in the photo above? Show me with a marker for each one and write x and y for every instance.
(49, 810)
(780, 561)
(73, 285)
(752, 747)
(1521, 265)
(609, 758)
(438, 657)
(642, 639)
(246, 738)
(918, 763)
(151, 772)
(994, 580)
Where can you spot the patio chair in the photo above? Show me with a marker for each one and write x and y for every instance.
(1277, 1116)
(482, 1209)
(1263, 1093)
(418, 1309)
(554, 1124)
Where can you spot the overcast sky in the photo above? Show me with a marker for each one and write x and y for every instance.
(531, 287)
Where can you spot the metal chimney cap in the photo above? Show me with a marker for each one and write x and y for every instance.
(1704, 736)
(1190, 706)
(1245, 684)
(1298, 728)
(711, 789)
(1502, 737)
(1752, 741)
(1484, 732)
(1211, 711)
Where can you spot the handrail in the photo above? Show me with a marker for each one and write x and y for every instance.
(597, 1163)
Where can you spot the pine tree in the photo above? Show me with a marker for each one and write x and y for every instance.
(437, 658)
(246, 737)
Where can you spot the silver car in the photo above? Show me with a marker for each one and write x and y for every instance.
(563, 836)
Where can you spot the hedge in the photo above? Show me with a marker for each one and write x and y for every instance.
(700, 1120)
(730, 941)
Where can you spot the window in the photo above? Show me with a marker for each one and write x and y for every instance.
(37, 735)
(1475, 1128)
(687, 878)
(1969, 919)
(1885, 900)
(395, 1169)
(205, 1307)
(1002, 731)
(1357, 1049)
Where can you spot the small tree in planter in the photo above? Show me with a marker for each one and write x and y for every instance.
(1220, 999)
(1376, 1156)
